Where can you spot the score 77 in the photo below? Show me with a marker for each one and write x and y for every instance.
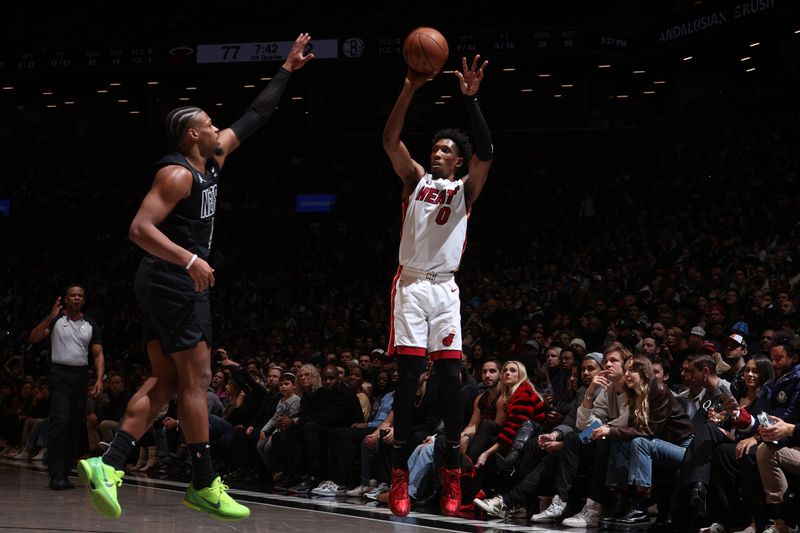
(227, 49)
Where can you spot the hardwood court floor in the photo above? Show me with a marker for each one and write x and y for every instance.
(155, 505)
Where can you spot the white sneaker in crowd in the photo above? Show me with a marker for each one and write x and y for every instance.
(493, 506)
(589, 516)
(716, 527)
(552, 513)
(326, 488)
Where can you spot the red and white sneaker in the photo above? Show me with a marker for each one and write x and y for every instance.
(451, 490)
(399, 502)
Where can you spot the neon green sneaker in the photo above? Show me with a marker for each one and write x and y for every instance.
(102, 481)
(215, 501)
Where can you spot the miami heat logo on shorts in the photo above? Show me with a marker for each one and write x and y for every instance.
(448, 341)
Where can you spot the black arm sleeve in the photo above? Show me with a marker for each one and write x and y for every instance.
(262, 107)
(480, 130)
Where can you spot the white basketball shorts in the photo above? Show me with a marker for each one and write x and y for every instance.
(426, 315)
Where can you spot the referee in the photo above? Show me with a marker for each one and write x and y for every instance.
(73, 336)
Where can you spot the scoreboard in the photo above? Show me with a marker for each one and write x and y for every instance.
(495, 44)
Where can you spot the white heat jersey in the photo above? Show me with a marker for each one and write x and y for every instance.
(434, 226)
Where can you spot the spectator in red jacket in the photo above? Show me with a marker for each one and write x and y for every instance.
(522, 403)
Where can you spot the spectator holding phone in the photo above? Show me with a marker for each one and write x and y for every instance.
(576, 455)
(604, 405)
(658, 431)
(776, 444)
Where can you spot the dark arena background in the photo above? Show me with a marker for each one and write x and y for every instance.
(643, 197)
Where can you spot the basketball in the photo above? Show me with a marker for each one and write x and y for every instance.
(425, 50)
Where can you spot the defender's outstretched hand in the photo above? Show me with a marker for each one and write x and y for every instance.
(470, 79)
(296, 58)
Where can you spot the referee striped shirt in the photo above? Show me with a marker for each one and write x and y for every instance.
(70, 339)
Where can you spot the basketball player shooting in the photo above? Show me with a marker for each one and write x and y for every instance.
(426, 316)
(175, 226)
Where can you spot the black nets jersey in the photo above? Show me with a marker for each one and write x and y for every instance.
(191, 223)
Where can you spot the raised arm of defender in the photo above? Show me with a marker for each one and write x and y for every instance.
(262, 108)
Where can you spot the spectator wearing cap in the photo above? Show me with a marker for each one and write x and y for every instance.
(695, 340)
(578, 346)
(735, 354)
(376, 365)
(741, 328)
(713, 350)
(708, 348)
(530, 358)
(744, 330)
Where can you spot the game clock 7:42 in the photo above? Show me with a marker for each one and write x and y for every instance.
(261, 51)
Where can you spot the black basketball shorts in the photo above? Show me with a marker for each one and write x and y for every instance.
(173, 312)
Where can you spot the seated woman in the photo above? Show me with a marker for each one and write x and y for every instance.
(658, 431)
(542, 458)
(522, 403)
(720, 429)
